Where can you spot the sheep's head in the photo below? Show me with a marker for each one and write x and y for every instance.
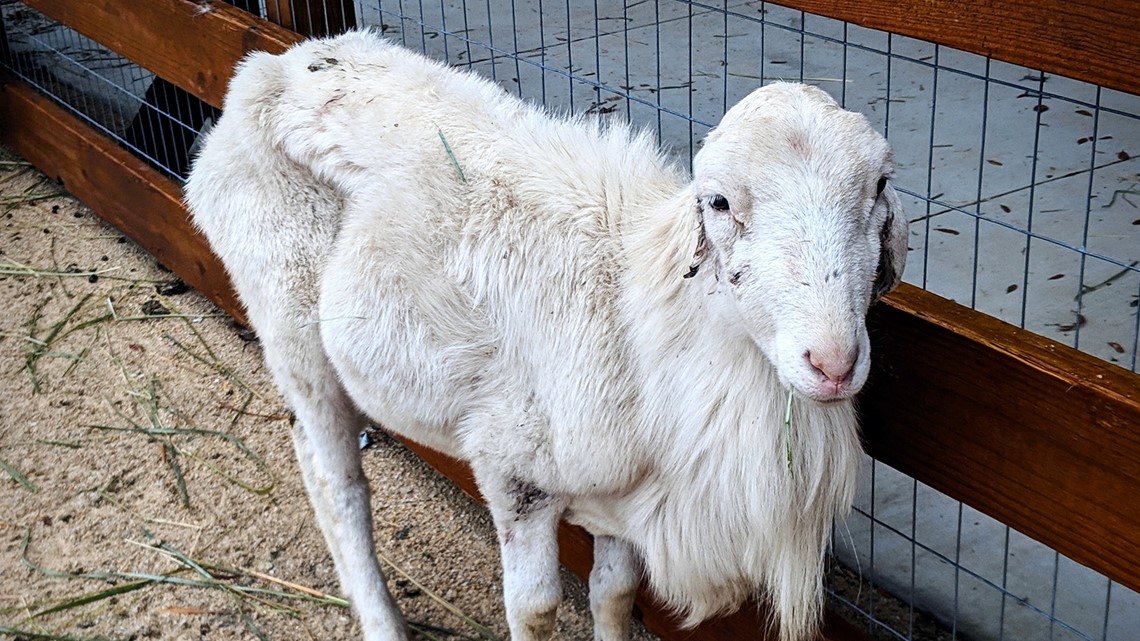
(803, 229)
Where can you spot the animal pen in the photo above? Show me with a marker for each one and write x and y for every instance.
(1003, 413)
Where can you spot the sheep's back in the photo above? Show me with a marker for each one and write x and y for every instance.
(474, 287)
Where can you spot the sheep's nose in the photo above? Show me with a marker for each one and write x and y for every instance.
(834, 365)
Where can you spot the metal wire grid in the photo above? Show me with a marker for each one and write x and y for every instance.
(145, 114)
(308, 18)
(934, 568)
(992, 221)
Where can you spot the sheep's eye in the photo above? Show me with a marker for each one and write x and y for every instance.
(881, 186)
(719, 203)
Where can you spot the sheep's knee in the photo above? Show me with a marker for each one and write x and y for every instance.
(613, 586)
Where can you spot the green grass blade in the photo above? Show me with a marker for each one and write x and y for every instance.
(185, 560)
(31, 359)
(483, 631)
(213, 362)
(19, 478)
(179, 480)
(93, 597)
(451, 155)
(788, 433)
(31, 635)
(68, 445)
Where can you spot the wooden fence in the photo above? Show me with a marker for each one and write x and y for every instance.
(1042, 437)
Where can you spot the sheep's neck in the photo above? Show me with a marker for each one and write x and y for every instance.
(713, 408)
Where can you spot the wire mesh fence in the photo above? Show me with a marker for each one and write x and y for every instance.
(148, 115)
(1022, 191)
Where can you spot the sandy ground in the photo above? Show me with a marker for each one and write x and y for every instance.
(148, 488)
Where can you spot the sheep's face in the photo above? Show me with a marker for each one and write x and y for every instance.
(803, 230)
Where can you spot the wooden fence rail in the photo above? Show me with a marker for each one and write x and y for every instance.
(1033, 433)
(1091, 40)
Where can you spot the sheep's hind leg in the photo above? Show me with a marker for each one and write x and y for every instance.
(328, 453)
(613, 586)
(526, 520)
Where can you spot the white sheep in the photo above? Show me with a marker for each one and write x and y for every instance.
(550, 300)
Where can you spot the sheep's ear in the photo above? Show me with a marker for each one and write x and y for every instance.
(892, 245)
(702, 250)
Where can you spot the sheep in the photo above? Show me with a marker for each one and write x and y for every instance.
(602, 338)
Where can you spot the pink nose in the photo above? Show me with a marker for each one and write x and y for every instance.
(835, 366)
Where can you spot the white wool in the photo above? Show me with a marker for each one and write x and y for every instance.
(510, 287)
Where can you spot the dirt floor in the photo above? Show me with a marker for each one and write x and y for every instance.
(148, 488)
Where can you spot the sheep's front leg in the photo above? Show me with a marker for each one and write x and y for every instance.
(613, 586)
(526, 520)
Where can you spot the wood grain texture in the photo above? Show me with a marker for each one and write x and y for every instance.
(194, 45)
(1091, 40)
(119, 187)
(1042, 437)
